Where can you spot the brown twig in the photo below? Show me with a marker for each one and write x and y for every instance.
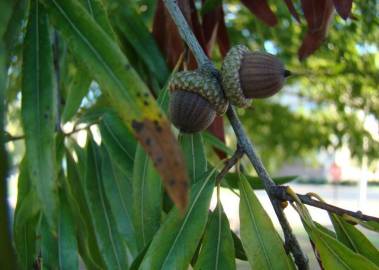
(229, 163)
(280, 192)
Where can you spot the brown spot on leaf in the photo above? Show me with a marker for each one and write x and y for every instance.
(159, 142)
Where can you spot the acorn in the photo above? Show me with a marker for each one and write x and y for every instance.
(247, 75)
(196, 98)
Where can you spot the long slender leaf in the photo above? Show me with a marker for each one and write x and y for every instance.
(147, 196)
(193, 149)
(39, 110)
(262, 243)
(255, 182)
(109, 241)
(133, 28)
(217, 143)
(354, 239)
(119, 142)
(111, 70)
(87, 244)
(48, 245)
(117, 190)
(334, 254)
(217, 251)
(239, 251)
(67, 244)
(177, 239)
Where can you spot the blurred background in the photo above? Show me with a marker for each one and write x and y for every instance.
(322, 127)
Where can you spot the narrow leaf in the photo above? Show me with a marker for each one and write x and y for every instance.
(343, 7)
(217, 143)
(194, 155)
(147, 196)
(261, 9)
(255, 182)
(118, 191)
(111, 247)
(239, 251)
(110, 68)
(177, 239)
(334, 254)
(292, 10)
(262, 243)
(355, 240)
(67, 244)
(39, 109)
(48, 245)
(217, 251)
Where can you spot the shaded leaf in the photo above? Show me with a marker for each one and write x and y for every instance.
(217, 250)
(48, 245)
(110, 245)
(262, 243)
(138, 260)
(343, 7)
(239, 251)
(177, 239)
(125, 89)
(118, 191)
(222, 36)
(335, 255)
(292, 10)
(194, 155)
(67, 244)
(39, 109)
(261, 9)
(147, 196)
(349, 235)
(217, 143)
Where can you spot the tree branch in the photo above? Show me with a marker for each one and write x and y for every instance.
(186, 33)
(230, 163)
(280, 192)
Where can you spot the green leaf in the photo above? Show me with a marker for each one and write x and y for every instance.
(138, 260)
(217, 250)
(354, 239)
(194, 155)
(125, 89)
(334, 254)
(371, 225)
(25, 220)
(147, 197)
(239, 251)
(77, 90)
(67, 244)
(262, 243)
(97, 10)
(255, 182)
(119, 142)
(132, 27)
(39, 108)
(48, 245)
(87, 244)
(217, 143)
(177, 239)
(109, 241)
(118, 192)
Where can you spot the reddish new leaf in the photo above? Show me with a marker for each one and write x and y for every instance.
(210, 25)
(292, 10)
(261, 9)
(222, 36)
(318, 14)
(343, 7)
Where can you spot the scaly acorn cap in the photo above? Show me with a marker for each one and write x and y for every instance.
(247, 75)
(202, 83)
(195, 99)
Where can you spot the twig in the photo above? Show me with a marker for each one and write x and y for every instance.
(280, 192)
(186, 33)
(229, 163)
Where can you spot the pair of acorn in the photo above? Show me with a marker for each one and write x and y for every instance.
(196, 96)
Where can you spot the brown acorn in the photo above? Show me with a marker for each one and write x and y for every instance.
(247, 75)
(196, 98)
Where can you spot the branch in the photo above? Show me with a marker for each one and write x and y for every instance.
(186, 33)
(280, 192)
(230, 163)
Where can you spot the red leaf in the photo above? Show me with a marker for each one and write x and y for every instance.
(261, 9)
(217, 129)
(343, 7)
(318, 14)
(222, 36)
(210, 26)
(292, 10)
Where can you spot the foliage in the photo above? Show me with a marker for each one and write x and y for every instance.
(104, 179)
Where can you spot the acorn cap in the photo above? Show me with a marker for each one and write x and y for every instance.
(203, 84)
(247, 75)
